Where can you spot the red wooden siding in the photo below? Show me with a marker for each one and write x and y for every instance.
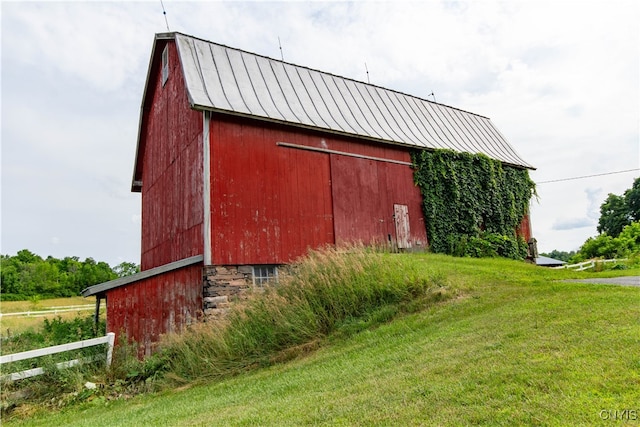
(524, 229)
(172, 210)
(364, 193)
(161, 304)
(270, 204)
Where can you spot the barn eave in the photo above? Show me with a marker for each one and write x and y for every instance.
(204, 108)
(102, 288)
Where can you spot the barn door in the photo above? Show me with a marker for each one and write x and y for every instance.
(401, 217)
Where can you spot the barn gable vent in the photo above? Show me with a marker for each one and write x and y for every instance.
(165, 64)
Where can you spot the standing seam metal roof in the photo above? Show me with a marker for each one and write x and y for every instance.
(224, 79)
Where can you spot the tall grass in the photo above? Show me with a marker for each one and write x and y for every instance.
(331, 289)
(55, 386)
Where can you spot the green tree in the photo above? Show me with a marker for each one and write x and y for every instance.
(46, 279)
(27, 257)
(614, 215)
(618, 211)
(9, 277)
(632, 198)
(27, 275)
(605, 246)
(629, 240)
(126, 269)
(92, 273)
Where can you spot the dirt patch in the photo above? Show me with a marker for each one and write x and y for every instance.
(621, 281)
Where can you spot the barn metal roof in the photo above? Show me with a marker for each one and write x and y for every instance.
(223, 79)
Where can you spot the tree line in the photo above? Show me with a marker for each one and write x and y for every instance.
(27, 275)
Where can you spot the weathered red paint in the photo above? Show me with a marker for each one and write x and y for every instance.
(271, 204)
(524, 229)
(364, 193)
(169, 164)
(171, 172)
(158, 305)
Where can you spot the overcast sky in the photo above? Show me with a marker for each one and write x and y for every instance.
(559, 79)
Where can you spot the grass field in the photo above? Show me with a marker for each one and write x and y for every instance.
(12, 325)
(517, 347)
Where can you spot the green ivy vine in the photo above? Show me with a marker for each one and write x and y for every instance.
(472, 204)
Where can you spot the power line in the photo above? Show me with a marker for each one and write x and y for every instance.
(588, 176)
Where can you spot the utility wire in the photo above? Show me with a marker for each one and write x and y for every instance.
(588, 176)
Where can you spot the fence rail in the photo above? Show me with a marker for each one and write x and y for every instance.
(588, 264)
(107, 339)
(39, 313)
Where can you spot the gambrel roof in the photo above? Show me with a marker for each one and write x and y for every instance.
(232, 81)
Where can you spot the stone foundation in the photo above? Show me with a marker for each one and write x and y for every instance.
(221, 285)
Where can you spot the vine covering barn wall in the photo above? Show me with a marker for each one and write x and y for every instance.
(472, 204)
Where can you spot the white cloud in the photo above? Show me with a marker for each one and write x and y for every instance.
(572, 223)
(559, 79)
(99, 43)
(594, 198)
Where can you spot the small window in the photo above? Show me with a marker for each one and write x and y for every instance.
(263, 274)
(165, 64)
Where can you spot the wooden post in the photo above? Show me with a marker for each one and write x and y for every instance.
(96, 315)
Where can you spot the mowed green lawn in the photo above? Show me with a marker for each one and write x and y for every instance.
(516, 347)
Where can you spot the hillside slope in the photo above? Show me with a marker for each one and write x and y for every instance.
(517, 347)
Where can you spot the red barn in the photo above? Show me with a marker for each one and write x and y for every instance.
(244, 163)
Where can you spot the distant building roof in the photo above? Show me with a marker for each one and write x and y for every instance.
(544, 261)
(224, 79)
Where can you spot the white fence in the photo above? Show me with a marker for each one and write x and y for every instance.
(61, 309)
(588, 264)
(107, 339)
